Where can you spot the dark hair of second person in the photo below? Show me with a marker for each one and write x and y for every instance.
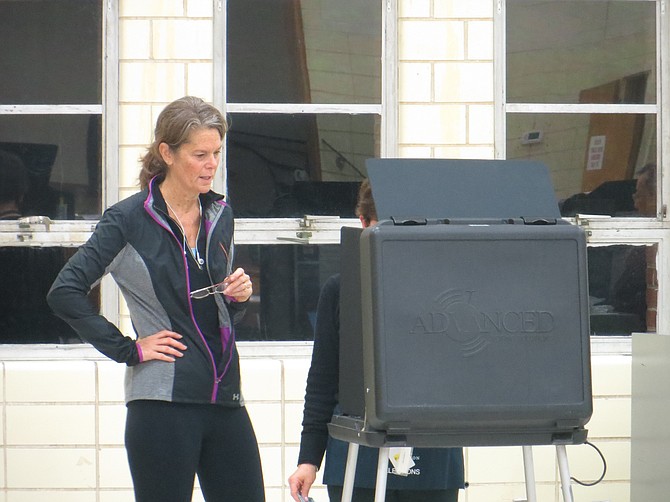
(365, 205)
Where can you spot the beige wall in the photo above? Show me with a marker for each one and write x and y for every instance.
(445, 79)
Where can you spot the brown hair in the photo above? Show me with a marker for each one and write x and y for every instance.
(173, 127)
(365, 206)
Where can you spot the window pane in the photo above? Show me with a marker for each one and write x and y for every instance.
(51, 52)
(287, 281)
(62, 158)
(581, 51)
(27, 274)
(309, 51)
(623, 289)
(594, 160)
(293, 165)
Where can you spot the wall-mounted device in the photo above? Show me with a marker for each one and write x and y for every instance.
(531, 137)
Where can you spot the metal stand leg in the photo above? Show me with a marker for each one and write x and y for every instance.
(529, 470)
(350, 472)
(565, 472)
(382, 473)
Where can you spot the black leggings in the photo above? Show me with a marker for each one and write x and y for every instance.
(168, 443)
(368, 495)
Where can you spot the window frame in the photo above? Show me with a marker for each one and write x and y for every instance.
(308, 230)
(37, 231)
(608, 230)
(387, 109)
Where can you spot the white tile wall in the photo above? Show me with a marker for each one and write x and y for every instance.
(199, 78)
(49, 382)
(111, 423)
(292, 426)
(505, 492)
(135, 39)
(432, 124)
(295, 378)
(417, 40)
(51, 467)
(495, 465)
(51, 496)
(37, 424)
(110, 381)
(137, 125)
(267, 419)
(479, 40)
(612, 377)
(414, 8)
(199, 8)
(461, 82)
(3, 481)
(129, 166)
(458, 9)
(261, 379)
(58, 443)
(415, 82)
(274, 474)
(113, 465)
(605, 492)
(585, 464)
(116, 495)
(151, 82)
(182, 39)
(151, 8)
(611, 417)
(480, 125)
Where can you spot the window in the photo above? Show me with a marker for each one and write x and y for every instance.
(51, 96)
(303, 94)
(287, 282)
(582, 81)
(51, 154)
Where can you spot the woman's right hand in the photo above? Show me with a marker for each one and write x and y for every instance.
(164, 346)
(302, 480)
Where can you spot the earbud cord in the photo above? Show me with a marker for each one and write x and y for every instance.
(194, 251)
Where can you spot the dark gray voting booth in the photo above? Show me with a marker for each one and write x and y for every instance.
(464, 312)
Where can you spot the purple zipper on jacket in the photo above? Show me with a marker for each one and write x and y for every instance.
(224, 336)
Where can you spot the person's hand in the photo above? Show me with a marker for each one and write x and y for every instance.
(164, 346)
(239, 286)
(302, 480)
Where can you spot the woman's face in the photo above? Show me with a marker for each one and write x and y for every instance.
(193, 165)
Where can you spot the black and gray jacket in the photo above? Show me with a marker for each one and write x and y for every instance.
(135, 244)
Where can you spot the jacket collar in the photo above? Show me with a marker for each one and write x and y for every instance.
(155, 202)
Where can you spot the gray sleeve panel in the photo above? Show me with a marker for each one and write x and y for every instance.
(151, 379)
(135, 283)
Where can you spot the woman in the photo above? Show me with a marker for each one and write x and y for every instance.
(170, 250)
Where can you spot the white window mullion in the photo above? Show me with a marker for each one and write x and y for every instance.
(582, 108)
(302, 108)
(73, 109)
(663, 93)
(109, 293)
